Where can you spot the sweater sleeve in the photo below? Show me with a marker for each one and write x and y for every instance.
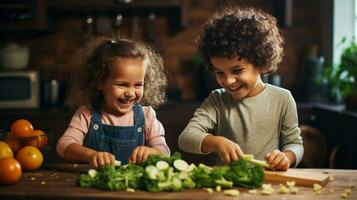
(290, 136)
(203, 122)
(154, 131)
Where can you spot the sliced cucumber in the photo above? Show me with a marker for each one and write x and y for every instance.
(92, 173)
(117, 163)
(162, 165)
(180, 165)
(183, 175)
(152, 172)
(191, 167)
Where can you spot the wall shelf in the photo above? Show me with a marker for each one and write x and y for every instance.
(23, 15)
(173, 10)
(40, 12)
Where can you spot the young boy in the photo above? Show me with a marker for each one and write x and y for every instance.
(246, 116)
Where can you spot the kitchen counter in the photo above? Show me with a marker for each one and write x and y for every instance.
(51, 183)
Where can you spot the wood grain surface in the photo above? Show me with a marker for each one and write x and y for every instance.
(59, 184)
(301, 178)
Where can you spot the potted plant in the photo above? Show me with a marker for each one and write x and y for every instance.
(342, 78)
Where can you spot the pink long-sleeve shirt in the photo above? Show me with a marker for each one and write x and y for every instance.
(78, 128)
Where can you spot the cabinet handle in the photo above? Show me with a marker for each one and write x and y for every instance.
(312, 117)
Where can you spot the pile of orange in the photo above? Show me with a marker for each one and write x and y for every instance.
(21, 151)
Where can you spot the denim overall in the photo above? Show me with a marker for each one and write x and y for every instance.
(118, 140)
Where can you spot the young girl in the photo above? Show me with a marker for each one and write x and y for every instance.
(246, 115)
(112, 125)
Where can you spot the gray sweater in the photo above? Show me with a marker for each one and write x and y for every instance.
(258, 124)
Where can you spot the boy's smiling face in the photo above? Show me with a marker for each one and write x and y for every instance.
(238, 76)
(123, 87)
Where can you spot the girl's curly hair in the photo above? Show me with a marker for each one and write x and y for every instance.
(103, 51)
(246, 32)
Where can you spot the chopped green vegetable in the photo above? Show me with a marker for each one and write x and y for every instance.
(162, 165)
(152, 172)
(152, 160)
(231, 192)
(162, 173)
(191, 167)
(245, 174)
(250, 158)
(183, 175)
(180, 165)
(114, 178)
(92, 173)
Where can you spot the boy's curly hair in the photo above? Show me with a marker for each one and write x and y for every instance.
(246, 32)
(103, 51)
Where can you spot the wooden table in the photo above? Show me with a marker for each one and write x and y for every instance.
(55, 184)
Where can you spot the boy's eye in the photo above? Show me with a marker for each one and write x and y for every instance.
(218, 73)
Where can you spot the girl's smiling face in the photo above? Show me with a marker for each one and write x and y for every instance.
(238, 76)
(123, 87)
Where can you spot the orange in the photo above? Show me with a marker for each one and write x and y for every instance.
(30, 158)
(21, 128)
(39, 139)
(14, 143)
(10, 171)
(5, 151)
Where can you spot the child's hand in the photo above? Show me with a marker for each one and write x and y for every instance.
(100, 159)
(227, 150)
(278, 160)
(141, 153)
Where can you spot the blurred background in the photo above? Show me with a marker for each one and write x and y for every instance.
(40, 39)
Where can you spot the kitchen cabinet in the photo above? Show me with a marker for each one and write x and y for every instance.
(23, 15)
(173, 10)
(36, 15)
(339, 128)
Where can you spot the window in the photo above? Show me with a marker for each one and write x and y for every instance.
(344, 23)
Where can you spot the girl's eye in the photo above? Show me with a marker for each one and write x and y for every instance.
(237, 71)
(139, 85)
(120, 85)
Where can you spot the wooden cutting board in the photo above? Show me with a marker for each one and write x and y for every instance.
(301, 178)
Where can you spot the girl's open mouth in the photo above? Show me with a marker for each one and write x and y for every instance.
(125, 101)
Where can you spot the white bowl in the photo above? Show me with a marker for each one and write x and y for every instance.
(14, 58)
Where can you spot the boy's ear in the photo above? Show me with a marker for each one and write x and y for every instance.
(263, 69)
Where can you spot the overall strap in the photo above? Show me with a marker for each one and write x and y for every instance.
(139, 118)
(96, 114)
